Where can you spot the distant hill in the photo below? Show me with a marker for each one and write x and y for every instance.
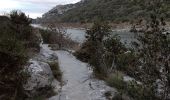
(111, 10)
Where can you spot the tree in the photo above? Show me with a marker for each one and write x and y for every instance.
(92, 49)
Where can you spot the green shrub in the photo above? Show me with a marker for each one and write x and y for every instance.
(85, 52)
(139, 92)
(57, 37)
(45, 35)
(15, 35)
(12, 58)
(92, 49)
(56, 70)
(116, 80)
(128, 63)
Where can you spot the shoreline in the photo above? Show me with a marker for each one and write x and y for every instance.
(119, 27)
(78, 26)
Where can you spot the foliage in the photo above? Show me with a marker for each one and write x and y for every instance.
(21, 25)
(101, 49)
(45, 35)
(128, 63)
(113, 47)
(92, 50)
(13, 54)
(116, 80)
(109, 10)
(19, 18)
(139, 92)
(56, 70)
(54, 36)
(154, 53)
(132, 89)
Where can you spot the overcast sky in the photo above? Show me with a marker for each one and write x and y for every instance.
(33, 8)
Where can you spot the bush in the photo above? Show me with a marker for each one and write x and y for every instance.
(139, 92)
(13, 54)
(59, 38)
(128, 63)
(45, 35)
(12, 58)
(84, 53)
(113, 47)
(116, 80)
(92, 49)
(56, 70)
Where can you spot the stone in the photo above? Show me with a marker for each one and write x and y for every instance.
(40, 77)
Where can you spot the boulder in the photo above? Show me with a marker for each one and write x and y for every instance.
(40, 77)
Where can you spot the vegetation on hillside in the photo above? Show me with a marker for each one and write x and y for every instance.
(108, 10)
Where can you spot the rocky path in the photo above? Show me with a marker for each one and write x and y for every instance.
(78, 81)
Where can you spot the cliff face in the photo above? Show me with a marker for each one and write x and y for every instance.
(58, 10)
(111, 10)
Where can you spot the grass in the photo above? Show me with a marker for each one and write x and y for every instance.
(116, 80)
(56, 70)
(54, 46)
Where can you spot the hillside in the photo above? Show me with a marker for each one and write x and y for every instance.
(111, 10)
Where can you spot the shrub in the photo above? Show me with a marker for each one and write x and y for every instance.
(92, 49)
(12, 59)
(116, 80)
(45, 35)
(139, 92)
(13, 55)
(128, 63)
(113, 47)
(56, 70)
(59, 38)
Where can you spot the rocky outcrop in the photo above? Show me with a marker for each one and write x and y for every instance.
(40, 77)
(56, 12)
(41, 80)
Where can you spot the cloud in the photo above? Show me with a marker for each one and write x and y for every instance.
(35, 8)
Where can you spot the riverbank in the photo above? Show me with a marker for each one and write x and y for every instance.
(83, 26)
(126, 26)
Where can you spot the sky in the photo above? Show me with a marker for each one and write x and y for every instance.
(33, 8)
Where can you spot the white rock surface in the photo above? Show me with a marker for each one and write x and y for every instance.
(41, 75)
